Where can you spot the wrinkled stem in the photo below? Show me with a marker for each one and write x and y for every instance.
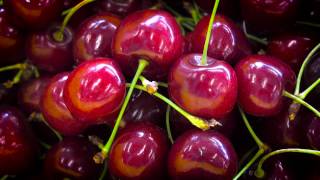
(168, 124)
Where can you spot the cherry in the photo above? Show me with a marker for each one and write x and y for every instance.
(34, 14)
(262, 80)
(94, 37)
(227, 7)
(47, 52)
(54, 109)
(227, 41)
(95, 90)
(72, 159)
(18, 147)
(202, 155)
(313, 132)
(312, 73)
(292, 48)
(153, 35)
(208, 91)
(11, 40)
(139, 152)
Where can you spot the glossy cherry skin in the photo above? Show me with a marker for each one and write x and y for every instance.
(94, 37)
(202, 155)
(95, 90)
(227, 41)
(48, 54)
(139, 152)
(313, 132)
(72, 158)
(205, 91)
(153, 35)
(292, 48)
(54, 109)
(18, 146)
(262, 80)
(34, 14)
(312, 73)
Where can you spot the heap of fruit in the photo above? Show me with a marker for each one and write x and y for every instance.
(152, 89)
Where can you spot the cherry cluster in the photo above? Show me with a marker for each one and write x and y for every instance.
(155, 89)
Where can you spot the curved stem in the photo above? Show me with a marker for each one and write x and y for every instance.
(209, 31)
(252, 37)
(104, 172)
(142, 65)
(168, 124)
(249, 164)
(303, 66)
(13, 67)
(45, 145)
(247, 155)
(302, 102)
(51, 128)
(308, 24)
(305, 93)
(260, 172)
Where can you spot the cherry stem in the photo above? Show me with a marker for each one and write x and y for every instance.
(13, 67)
(209, 32)
(142, 65)
(247, 155)
(41, 117)
(145, 80)
(253, 37)
(168, 124)
(249, 164)
(104, 172)
(309, 24)
(260, 172)
(45, 145)
(59, 34)
(302, 102)
(305, 93)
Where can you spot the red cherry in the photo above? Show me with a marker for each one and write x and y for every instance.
(205, 91)
(226, 7)
(313, 131)
(95, 90)
(262, 80)
(152, 35)
(54, 109)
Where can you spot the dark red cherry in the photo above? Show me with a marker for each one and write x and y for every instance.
(94, 37)
(227, 7)
(202, 155)
(30, 94)
(49, 54)
(292, 48)
(95, 90)
(34, 14)
(313, 131)
(139, 152)
(11, 40)
(262, 80)
(206, 91)
(227, 41)
(312, 73)
(54, 109)
(18, 147)
(72, 159)
(153, 35)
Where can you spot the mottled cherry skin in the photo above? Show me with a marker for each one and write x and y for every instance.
(72, 158)
(262, 80)
(206, 91)
(292, 48)
(11, 40)
(34, 14)
(18, 146)
(202, 155)
(227, 41)
(153, 35)
(139, 153)
(54, 109)
(313, 132)
(95, 90)
(94, 37)
(48, 54)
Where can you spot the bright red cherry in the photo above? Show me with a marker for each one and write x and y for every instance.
(206, 91)
(139, 152)
(94, 37)
(202, 155)
(153, 35)
(227, 41)
(18, 147)
(72, 159)
(262, 80)
(95, 90)
(54, 109)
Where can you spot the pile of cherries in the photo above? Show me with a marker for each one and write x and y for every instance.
(155, 89)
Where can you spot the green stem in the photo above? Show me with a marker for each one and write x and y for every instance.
(252, 37)
(249, 164)
(168, 124)
(142, 65)
(197, 11)
(13, 67)
(45, 145)
(247, 155)
(260, 172)
(308, 24)
(302, 102)
(305, 93)
(51, 128)
(104, 172)
(209, 31)
(302, 68)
